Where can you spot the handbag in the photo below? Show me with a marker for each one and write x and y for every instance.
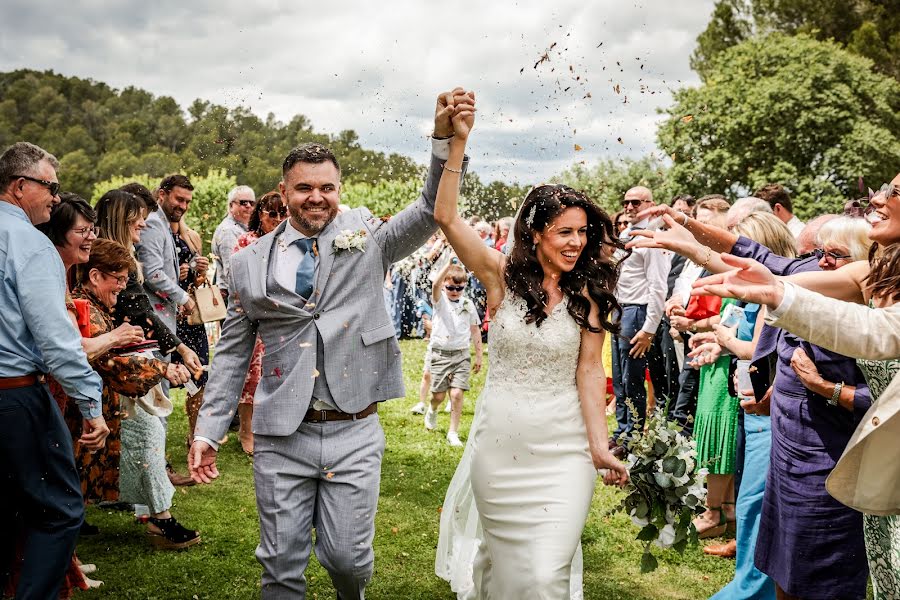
(209, 305)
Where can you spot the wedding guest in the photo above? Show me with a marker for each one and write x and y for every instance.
(41, 498)
(641, 292)
(121, 217)
(192, 267)
(754, 440)
(665, 378)
(142, 192)
(71, 229)
(621, 221)
(866, 475)
(454, 325)
(809, 431)
(711, 210)
(158, 257)
(485, 231)
(143, 478)
(780, 202)
(268, 213)
(504, 224)
(241, 202)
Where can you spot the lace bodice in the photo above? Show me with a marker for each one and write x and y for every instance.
(522, 354)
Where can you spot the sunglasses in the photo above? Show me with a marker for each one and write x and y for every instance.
(831, 257)
(890, 191)
(53, 186)
(275, 214)
(245, 203)
(632, 202)
(85, 232)
(454, 288)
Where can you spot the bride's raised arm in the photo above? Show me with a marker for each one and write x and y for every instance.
(485, 262)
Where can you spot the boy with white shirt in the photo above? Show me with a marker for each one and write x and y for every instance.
(454, 324)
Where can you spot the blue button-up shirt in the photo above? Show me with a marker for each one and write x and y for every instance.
(36, 333)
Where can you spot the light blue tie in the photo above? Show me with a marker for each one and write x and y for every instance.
(307, 268)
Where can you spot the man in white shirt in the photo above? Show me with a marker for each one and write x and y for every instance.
(780, 202)
(641, 291)
(241, 201)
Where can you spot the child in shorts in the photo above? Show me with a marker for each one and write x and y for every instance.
(454, 325)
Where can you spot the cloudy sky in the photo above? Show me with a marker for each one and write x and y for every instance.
(375, 67)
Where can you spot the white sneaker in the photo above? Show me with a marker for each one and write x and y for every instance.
(447, 408)
(454, 440)
(418, 409)
(430, 419)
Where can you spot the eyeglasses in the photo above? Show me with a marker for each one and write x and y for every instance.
(454, 288)
(889, 190)
(275, 214)
(245, 203)
(831, 257)
(632, 202)
(85, 232)
(120, 279)
(53, 186)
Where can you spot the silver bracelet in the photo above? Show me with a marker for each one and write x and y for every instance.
(452, 170)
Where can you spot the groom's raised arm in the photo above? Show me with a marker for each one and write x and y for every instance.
(409, 229)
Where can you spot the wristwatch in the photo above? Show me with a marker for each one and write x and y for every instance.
(836, 394)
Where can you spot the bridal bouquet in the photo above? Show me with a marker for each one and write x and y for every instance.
(665, 490)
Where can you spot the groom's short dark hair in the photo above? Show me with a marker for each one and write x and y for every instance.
(310, 152)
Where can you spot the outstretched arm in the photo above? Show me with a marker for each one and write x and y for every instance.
(486, 263)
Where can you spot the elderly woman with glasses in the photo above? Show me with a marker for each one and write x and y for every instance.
(269, 212)
(140, 471)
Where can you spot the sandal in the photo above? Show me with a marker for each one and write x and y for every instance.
(730, 524)
(172, 536)
(715, 530)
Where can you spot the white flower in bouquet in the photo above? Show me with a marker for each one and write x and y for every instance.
(666, 537)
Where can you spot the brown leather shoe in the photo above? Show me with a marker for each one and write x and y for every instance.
(177, 479)
(726, 550)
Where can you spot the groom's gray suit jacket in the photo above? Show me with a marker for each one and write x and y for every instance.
(359, 350)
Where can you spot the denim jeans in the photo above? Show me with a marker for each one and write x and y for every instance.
(629, 373)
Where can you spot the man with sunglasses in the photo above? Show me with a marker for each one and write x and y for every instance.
(241, 200)
(41, 501)
(641, 291)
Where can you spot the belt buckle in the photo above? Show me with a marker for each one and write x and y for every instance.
(323, 417)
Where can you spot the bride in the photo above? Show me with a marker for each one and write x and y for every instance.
(512, 520)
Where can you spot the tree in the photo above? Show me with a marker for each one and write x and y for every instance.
(607, 181)
(870, 28)
(789, 110)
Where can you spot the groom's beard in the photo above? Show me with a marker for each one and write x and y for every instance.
(313, 224)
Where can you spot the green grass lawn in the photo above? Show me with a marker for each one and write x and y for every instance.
(417, 468)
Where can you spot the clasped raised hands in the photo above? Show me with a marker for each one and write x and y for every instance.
(454, 114)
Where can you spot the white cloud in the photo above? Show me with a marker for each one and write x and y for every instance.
(376, 67)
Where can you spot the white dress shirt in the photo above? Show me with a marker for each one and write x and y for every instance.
(643, 279)
(795, 225)
(684, 284)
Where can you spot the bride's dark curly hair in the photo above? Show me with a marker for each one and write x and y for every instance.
(595, 271)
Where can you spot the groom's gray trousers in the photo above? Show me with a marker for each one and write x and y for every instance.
(324, 476)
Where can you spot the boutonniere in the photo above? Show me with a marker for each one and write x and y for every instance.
(349, 240)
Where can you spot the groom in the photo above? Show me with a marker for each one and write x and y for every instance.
(312, 291)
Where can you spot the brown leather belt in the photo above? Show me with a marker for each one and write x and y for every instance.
(11, 383)
(322, 416)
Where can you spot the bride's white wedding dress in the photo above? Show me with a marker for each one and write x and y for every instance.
(514, 512)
